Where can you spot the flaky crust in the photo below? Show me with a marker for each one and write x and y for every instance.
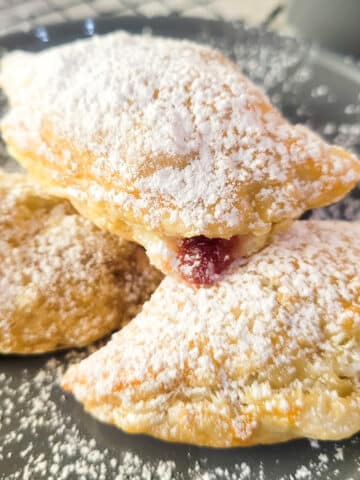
(63, 282)
(268, 354)
(152, 137)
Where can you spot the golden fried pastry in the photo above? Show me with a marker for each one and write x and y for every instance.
(63, 282)
(270, 353)
(165, 142)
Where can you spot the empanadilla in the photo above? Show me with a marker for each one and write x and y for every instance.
(165, 142)
(270, 353)
(63, 282)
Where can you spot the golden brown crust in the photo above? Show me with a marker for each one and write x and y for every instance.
(268, 354)
(63, 282)
(158, 155)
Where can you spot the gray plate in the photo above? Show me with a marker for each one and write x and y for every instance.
(44, 434)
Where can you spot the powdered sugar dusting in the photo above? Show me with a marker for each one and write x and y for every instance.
(63, 282)
(47, 435)
(180, 131)
(287, 75)
(35, 409)
(260, 343)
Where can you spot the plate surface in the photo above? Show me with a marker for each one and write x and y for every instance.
(44, 434)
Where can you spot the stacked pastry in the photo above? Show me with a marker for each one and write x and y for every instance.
(63, 282)
(254, 335)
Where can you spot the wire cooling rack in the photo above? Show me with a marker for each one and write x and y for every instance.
(26, 14)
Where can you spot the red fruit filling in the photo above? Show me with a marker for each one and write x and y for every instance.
(201, 260)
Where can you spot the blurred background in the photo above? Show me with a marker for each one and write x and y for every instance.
(331, 23)
(20, 14)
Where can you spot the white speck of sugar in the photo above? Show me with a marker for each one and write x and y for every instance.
(38, 411)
